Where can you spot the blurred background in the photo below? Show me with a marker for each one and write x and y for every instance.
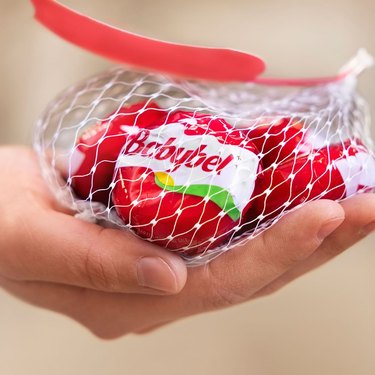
(322, 324)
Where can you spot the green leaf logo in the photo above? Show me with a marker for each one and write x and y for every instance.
(216, 194)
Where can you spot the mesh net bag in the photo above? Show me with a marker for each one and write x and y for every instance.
(200, 168)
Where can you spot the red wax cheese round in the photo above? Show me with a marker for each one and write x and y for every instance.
(335, 172)
(186, 184)
(279, 139)
(94, 158)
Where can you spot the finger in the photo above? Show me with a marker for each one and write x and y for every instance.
(236, 275)
(151, 328)
(58, 298)
(67, 300)
(359, 222)
(62, 249)
(106, 315)
(239, 273)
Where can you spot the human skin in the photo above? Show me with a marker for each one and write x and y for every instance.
(92, 274)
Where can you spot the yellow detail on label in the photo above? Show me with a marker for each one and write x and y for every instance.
(165, 178)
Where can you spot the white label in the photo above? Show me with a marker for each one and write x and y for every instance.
(357, 171)
(188, 160)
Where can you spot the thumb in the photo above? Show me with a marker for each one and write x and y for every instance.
(289, 242)
(62, 249)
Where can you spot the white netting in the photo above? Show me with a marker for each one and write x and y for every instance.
(201, 168)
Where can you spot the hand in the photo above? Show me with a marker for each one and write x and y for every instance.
(52, 260)
(41, 240)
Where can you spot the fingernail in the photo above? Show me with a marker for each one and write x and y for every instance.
(366, 230)
(329, 227)
(155, 273)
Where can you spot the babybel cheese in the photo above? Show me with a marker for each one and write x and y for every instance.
(334, 172)
(195, 175)
(94, 157)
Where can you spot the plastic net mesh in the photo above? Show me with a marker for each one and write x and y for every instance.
(200, 168)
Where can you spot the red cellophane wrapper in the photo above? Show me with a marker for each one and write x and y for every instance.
(201, 168)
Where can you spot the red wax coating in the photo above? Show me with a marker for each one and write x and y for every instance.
(180, 221)
(99, 146)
